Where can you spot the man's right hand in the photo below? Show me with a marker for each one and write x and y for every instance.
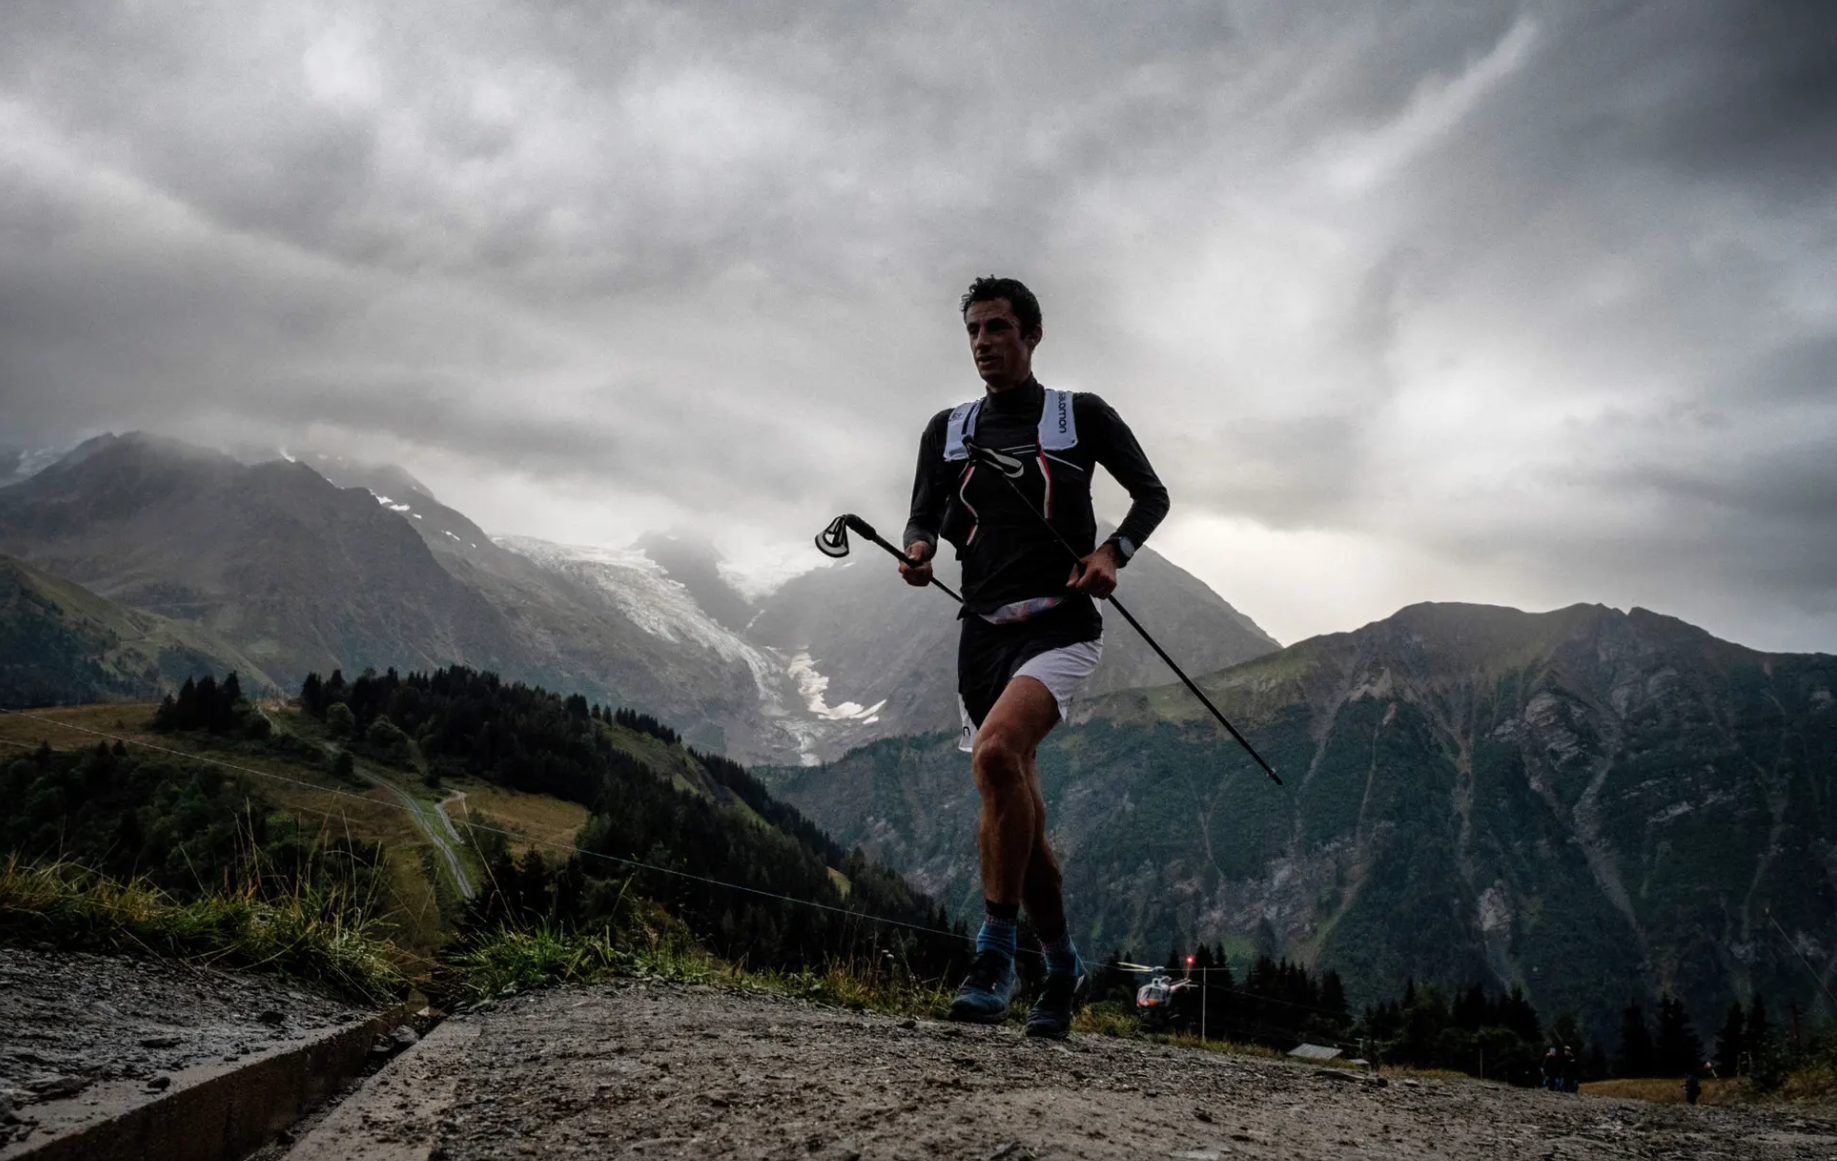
(918, 569)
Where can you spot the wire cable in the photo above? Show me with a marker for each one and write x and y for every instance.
(1816, 978)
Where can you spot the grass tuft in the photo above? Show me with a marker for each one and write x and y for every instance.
(1667, 1090)
(319, 937)
(865, 984)
(511, 960)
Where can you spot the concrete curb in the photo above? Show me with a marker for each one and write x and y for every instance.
(210, 1113)
(396, 1114)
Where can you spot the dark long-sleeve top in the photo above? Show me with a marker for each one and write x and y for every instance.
(1010, 555)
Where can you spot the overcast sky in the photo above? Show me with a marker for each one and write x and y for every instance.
(1522, 303)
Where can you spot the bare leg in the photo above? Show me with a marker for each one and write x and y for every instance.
(1012, 824)
(1043, 889)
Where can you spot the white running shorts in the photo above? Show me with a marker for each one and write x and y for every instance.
(1060, 670)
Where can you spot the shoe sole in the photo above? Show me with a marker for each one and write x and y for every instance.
(970, 1016)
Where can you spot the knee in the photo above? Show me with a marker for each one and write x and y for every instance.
(999, 761)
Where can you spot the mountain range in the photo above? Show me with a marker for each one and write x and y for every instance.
(1595, 805)
(313, 563)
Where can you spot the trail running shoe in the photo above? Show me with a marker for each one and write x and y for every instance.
(985, 992)
(1061, 995)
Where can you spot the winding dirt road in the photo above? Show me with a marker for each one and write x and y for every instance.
(649, 1070)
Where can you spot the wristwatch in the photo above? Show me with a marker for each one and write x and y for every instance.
(1124, 549)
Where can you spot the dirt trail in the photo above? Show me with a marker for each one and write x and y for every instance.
(654, 1071)
(434, 823)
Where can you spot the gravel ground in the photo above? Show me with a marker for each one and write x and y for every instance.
(650, 1071)
(69, 1020)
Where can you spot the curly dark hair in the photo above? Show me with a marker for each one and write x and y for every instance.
(1026, 307)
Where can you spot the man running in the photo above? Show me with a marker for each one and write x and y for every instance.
(993, 474)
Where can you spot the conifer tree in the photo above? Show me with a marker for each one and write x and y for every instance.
(1731, 1042)
(1758, 1035)
(1333, 998)
(185, 711)
(312, 696)
(1678, 1049)
(1635, 1043)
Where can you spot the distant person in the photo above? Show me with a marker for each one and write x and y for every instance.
(1693, 1085)
(997, 478)
(1552, 1070)
(1571, 1070)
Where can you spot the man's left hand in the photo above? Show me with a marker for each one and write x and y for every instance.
(1096, 573)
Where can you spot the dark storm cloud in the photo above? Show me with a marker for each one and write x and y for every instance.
(1547, 282)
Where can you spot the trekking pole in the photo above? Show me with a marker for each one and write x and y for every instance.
(1137, 626)
(833, 542)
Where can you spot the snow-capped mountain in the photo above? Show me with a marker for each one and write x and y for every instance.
(21, 463)
(800, 724)
(310, 562)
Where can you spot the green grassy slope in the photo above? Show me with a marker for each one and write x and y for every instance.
(62, 644)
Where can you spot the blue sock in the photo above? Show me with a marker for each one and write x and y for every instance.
(1061, 955)
(998, 934)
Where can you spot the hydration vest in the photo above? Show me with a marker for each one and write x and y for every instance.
(1058, 431)
(1058, 425)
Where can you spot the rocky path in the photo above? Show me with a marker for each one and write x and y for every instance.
(658, 1071)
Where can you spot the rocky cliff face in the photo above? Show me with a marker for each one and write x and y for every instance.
(1595, 804)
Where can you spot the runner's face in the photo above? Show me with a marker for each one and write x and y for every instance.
(1003, 354)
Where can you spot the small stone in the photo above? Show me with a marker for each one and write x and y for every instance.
(159, 1084)
(272, 1017)
(159, 1041)
(908, 1024)
(58, 1087)
(404, 1036)
(1201, 1114)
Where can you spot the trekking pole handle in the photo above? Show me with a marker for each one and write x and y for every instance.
(863, 528)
